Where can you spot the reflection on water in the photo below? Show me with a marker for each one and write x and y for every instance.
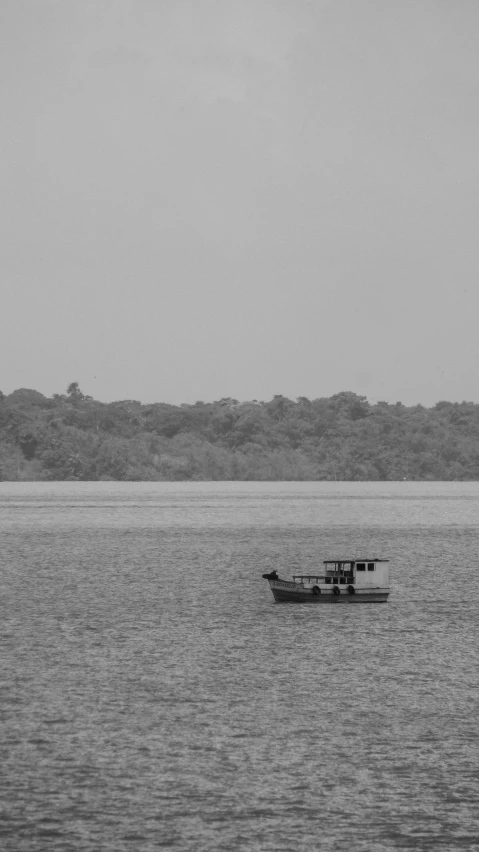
(154, 695)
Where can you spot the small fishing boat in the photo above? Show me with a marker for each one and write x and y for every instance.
(340, 581)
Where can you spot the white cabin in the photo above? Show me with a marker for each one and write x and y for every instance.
(360, 573)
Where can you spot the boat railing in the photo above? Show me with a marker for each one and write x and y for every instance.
(313, 580)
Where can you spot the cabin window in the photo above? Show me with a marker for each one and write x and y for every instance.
(370, 566)
(342, 580)
(327, 579)
(361, 566)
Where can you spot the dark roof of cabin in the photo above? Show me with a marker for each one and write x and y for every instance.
(369, 559)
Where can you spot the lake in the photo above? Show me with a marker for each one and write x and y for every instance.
(154, 696)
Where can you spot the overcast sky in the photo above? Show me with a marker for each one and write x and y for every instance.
(208, 198)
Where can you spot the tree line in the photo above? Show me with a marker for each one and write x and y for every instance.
(72, 436)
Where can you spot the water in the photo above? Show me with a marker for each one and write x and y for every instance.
(154, 696)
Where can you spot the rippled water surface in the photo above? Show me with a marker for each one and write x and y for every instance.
(153, 695)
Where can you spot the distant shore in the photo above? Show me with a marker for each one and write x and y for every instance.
(72, 437)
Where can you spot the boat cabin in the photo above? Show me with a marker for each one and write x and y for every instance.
(348, 572)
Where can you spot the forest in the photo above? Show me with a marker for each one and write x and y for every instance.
(72, 436)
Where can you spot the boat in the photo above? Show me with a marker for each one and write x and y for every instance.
(340, 581)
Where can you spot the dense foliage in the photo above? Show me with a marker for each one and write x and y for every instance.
(74, 437)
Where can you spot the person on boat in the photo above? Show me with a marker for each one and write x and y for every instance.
(272, 576)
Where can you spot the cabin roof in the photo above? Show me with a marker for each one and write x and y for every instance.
(341, 561)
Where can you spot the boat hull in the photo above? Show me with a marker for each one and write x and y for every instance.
(285, 592)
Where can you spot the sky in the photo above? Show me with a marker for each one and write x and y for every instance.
(240, 198)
